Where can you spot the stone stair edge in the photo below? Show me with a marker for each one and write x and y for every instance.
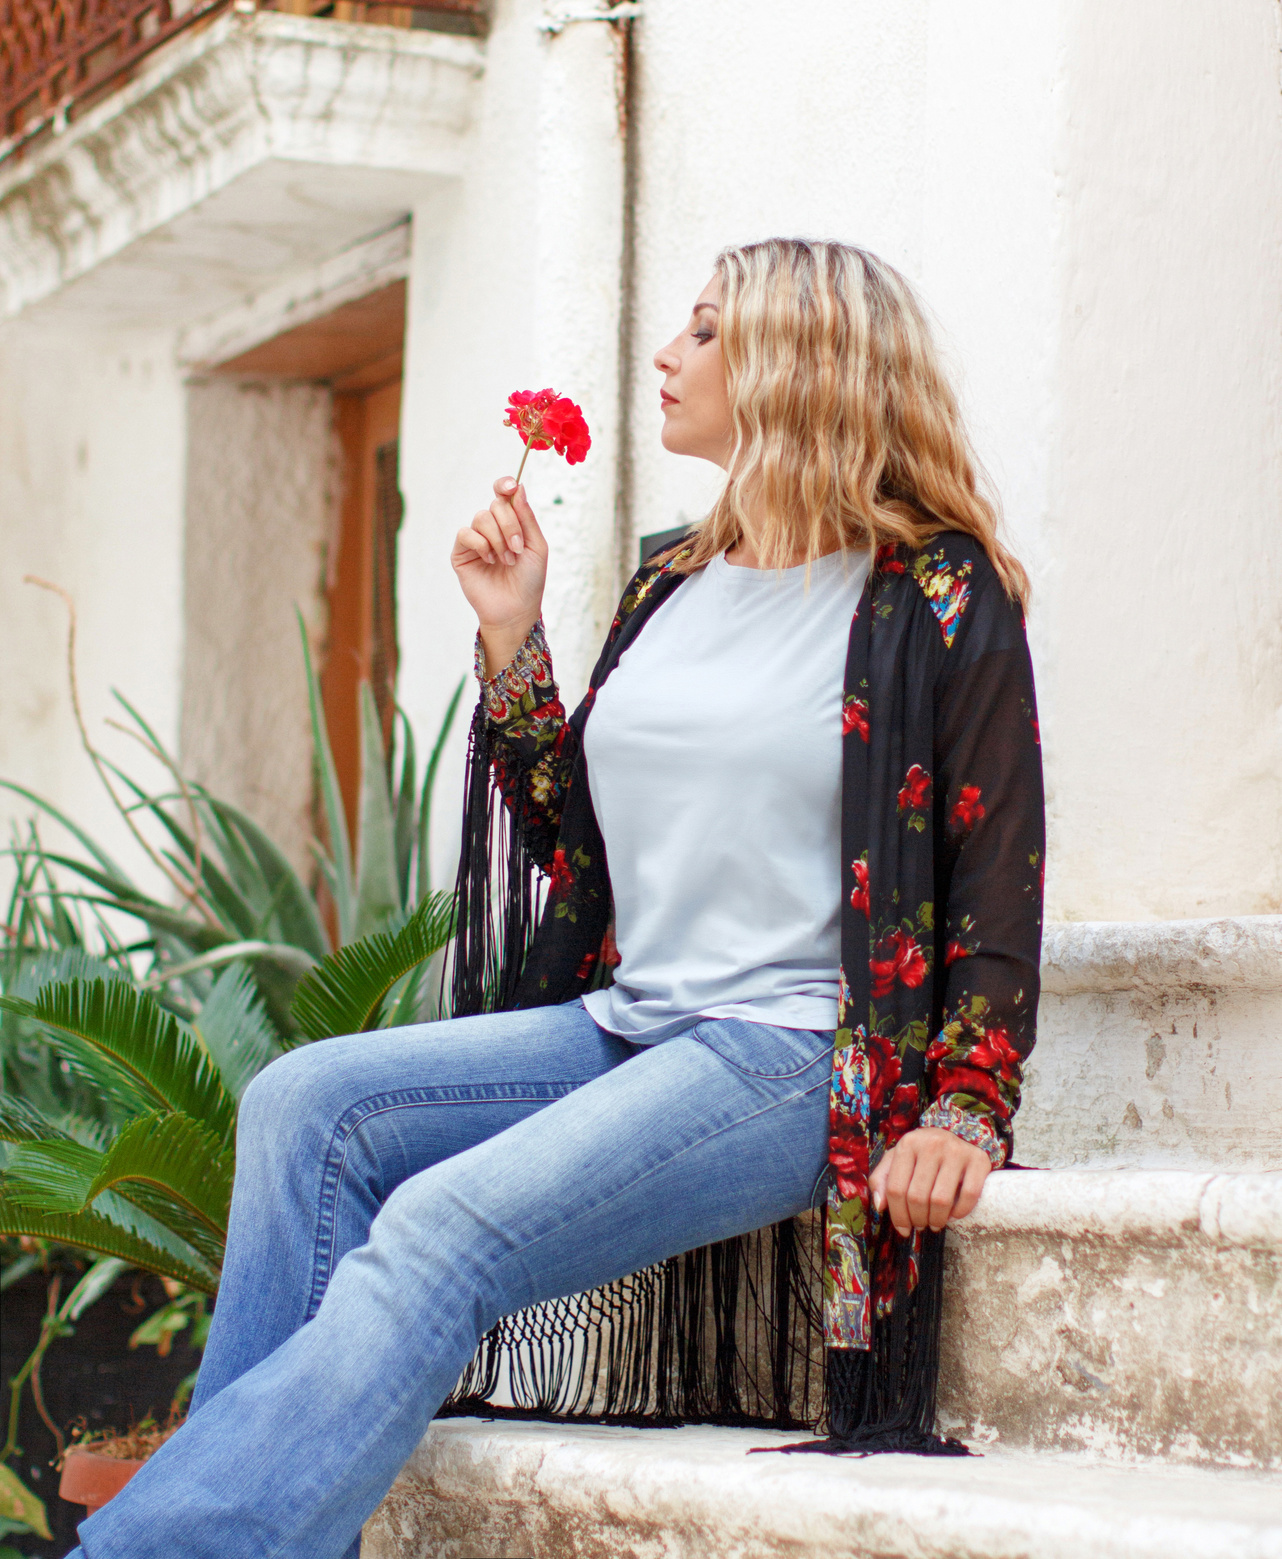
(1223, 1209)
(1242, 951)
(588, 1492)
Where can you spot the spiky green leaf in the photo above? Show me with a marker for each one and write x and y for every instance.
(423, 873)
(377, 893)
(171, 1154)
(103, 1235)
(295, 911)
(236, 1029)
(339, 860)
(122, 1037)
(345, 994)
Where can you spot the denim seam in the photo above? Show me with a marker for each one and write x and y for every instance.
(356, 1115)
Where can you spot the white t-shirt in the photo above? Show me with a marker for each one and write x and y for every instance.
(714, 759)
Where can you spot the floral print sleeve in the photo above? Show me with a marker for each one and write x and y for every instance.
(991, 845)
(532, 745)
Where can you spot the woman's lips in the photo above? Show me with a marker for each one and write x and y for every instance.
(666, 399)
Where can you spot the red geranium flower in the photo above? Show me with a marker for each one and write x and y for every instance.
(859, 893)
(916, 789)
(901, 960)
(546, 420)
(969, 809)
(954, 951)
(887, 562)
(854, 717)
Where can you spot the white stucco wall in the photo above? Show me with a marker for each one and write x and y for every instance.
(1088, 198)
(91, 477)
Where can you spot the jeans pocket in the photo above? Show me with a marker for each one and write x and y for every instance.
(762, 1049)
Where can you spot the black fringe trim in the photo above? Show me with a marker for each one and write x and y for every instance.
(497, 890)
(883, 1399)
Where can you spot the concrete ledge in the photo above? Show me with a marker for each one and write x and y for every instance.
(485, 1490)
(1157, 1047)
(1155, 1206)
(1128, 1314)
(1242, 952)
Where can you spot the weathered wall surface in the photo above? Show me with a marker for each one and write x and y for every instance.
(1165, 529)
(1089, 201)
(260, 506)
(91, 475)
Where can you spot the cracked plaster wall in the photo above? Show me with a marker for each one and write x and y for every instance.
(259, 514)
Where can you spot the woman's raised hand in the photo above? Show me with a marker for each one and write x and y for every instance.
(501, 560)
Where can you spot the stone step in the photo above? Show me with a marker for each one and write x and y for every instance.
(1123, 1313)
(478, 1489)
(1157, 1048)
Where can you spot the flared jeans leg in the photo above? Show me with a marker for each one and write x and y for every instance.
(375, 1244)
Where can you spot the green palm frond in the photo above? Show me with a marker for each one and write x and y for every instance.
(93, 1231)
(236, 1030)
(22, 1122)
(124, 1039)
(173, 1155)
(61, 1177)
(346, 993)
(54, 1175)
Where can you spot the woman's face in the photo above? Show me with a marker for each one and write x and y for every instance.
(696, 406)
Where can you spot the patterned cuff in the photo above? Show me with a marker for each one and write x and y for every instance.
(971, 1128)
(531, 666)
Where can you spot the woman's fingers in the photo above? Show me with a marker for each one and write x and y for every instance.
(489, 525)
(470, 546)
(505, 515)
(927, 1179)
(977, 1170)
(904, 1163)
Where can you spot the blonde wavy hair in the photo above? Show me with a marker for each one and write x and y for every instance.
(846, 430)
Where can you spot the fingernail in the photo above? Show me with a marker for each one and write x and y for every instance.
(518, 544)
(509, 486)
(508, 557)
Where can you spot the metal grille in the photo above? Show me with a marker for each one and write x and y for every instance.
(57, 56)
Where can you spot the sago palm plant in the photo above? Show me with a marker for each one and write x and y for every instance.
(123, 1060)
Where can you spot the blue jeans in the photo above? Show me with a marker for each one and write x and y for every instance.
(397, 1193)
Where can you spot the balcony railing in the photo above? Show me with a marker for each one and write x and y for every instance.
(59, 56)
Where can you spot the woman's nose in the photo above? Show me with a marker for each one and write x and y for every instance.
(666, 361)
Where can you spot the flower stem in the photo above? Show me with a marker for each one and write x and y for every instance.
(525, 456)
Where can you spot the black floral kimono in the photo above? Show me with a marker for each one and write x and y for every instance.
(943, 849)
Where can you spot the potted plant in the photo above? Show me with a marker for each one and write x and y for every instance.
(97, 1466)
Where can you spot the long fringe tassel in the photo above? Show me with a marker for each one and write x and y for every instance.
(884, 1398)
(497, 893)
(719, 1335)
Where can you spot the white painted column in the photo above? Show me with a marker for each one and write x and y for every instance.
(515, 285)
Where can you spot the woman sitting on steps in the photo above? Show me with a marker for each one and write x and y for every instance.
(803, 798)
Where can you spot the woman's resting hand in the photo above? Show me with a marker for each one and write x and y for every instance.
(501, 561)
(928, 1178)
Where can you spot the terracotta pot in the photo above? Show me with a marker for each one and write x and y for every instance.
(91, 1480)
